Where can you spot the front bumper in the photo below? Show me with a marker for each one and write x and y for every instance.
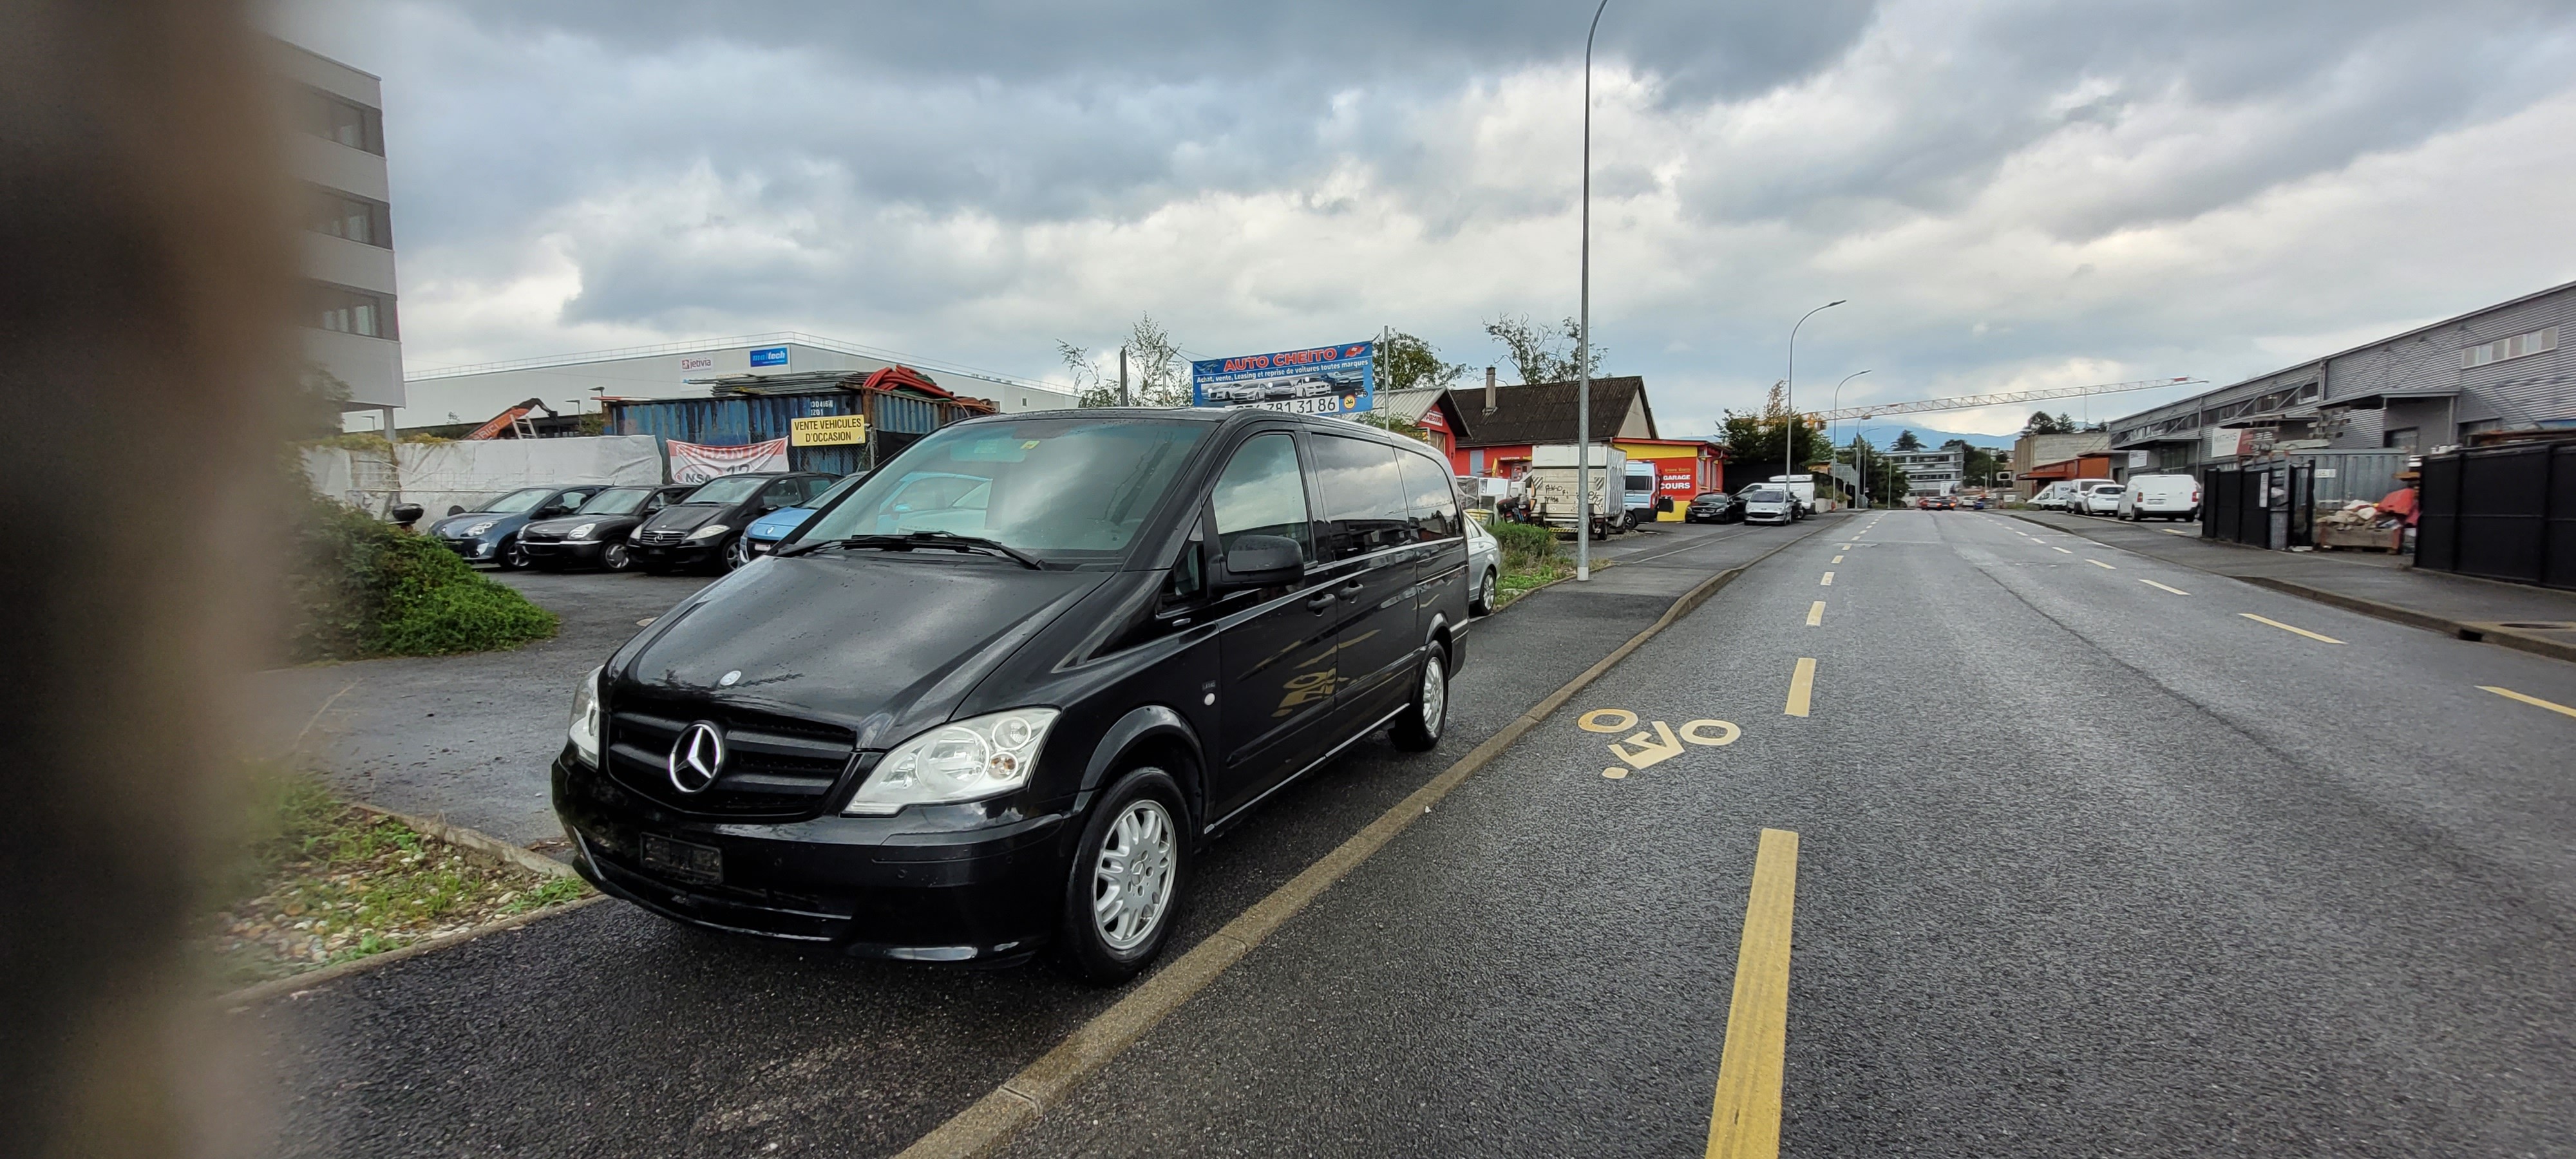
(563, 551)
(924, 885)
(475, 550)
(694, 553)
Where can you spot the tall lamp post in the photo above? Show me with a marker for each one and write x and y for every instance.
(1829, 434)
(1789, 436)
(1583, 339)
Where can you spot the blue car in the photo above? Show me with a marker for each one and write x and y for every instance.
(763, 535)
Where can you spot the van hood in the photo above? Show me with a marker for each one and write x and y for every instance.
(885, 646)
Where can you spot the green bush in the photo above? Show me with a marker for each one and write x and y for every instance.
(1525, 545)
(362, 587)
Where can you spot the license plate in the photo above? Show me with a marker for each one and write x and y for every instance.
(683, 860)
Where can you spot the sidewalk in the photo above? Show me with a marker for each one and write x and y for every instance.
(2533, 619)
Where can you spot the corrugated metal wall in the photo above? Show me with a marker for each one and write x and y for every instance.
(736, 420)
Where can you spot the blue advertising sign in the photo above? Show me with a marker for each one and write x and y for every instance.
(768, 356)
(1323, 380)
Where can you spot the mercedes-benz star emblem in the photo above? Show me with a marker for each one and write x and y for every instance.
(697, 757)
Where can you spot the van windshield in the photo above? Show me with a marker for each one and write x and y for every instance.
(1057, 487)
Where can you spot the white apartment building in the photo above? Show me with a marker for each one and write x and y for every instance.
(337, 151)
(1934, 471)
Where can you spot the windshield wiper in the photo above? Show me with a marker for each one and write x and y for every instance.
(949, 540)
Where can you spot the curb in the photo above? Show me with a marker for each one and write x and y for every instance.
(240, 1000)
(2475, 631)
(991, 1121)
(479, 842)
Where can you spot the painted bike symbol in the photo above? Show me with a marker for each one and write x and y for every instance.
(1654, 746)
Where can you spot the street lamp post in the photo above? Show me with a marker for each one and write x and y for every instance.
(1829, 434)
(1789, 385)
(1583, 339)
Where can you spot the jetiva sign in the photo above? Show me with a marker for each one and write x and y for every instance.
(1322, 380)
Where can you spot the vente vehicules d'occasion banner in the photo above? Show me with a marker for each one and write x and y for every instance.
(1321, 380)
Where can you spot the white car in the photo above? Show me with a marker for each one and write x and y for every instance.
(1484, 568)
(1768, 504)
(2097, 497)
(2160, 496)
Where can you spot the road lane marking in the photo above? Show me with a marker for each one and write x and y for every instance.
(2055, 548)
(2533, 701)
(1827, 582)
(1838, 559)
(1816, 614)
(1744, 1123)
(1846, 547)
(2171, 531)
(2102, 565)
(1802, 687)
(2286, 628)
(2161, 587)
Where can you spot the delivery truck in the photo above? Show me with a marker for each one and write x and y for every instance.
(1552, 489)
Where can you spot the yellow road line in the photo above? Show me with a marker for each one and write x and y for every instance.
(2161, 587)
(1816, 613)
(2054, 547)
(2510, 694)
(2286, 628)
(1745, 1122)
(1827, 582)
(1838, 559)
(2102, 565)
(1802, 686)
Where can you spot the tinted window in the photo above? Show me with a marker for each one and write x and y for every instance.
(1049, 486)
(1363, 496)
(730, 489)
(1262, 493)
(616, 501)
(784, 493)
(1429, 500)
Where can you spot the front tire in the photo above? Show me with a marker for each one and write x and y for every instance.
(737, 553)
(1122, 897)
(513, 557)
(615, 557)
(1418, 730)
(1486, 588)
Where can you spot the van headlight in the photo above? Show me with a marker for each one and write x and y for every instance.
(966, 760)
(584, 730)
(709, 531)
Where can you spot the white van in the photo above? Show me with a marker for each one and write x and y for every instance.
(2057, 496)
(2161, 496)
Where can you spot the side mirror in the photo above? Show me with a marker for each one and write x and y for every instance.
(1261, 561)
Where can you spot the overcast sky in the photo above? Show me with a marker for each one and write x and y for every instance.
(2011, 195)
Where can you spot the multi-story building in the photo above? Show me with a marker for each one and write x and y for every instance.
(1931, 471)
(567, 383)
(337, 153)
(2497, 369)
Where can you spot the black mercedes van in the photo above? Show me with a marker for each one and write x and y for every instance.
(992, 700)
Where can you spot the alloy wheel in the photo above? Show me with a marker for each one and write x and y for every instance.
(614, 557)
(737, 553)
(1492, 590)
(1435, 696)
(1131, 882)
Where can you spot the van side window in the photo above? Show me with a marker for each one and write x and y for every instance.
(1262, 492)
(1431, 499)
(1365, 507)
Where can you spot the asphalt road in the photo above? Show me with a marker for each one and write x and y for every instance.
(2088, 867)
(2091, 863)
(610, 1032)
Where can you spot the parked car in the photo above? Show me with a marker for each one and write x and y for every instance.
(1484, 568)
(1766, 503)
(490, 534)
(595, 535)
(763, 535)
(1713, 507)
(705, 529)
(963, 734)
(2160, 496)
(2096, 497)
(1940, 503)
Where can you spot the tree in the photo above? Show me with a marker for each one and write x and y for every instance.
(2065, 425)
(2041, 424)
(1976, 464)
(1405, 362)
(1540, 355)
(1905, 441)
(1885, 484)
(316, 404)
(1759, 438)
(1157, 373)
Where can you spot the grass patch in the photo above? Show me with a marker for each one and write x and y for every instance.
(322, 881)
(362, 587)
(1532, 559)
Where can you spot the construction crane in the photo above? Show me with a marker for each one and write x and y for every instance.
(1963, 402)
